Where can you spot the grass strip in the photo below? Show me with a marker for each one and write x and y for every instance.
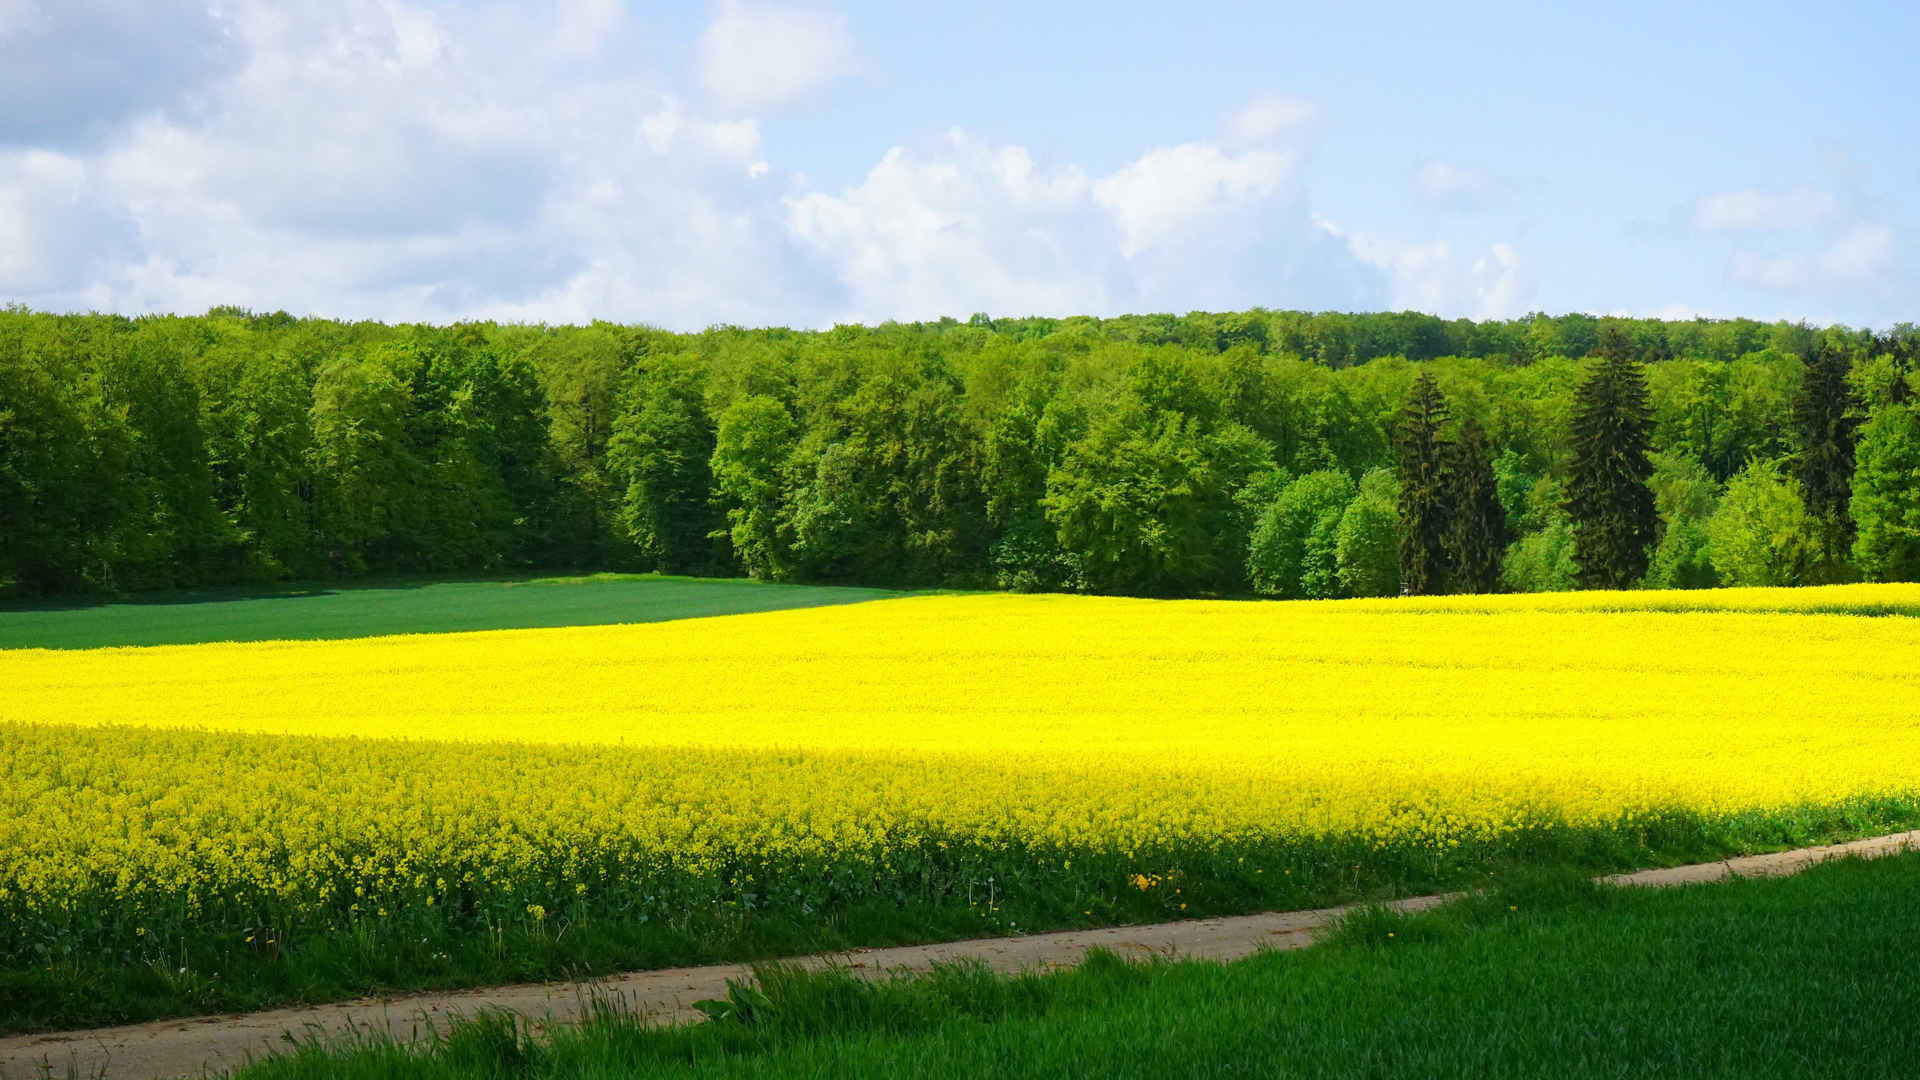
(1546, 974)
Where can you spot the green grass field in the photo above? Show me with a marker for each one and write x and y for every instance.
(402, 607)
(1814, 975)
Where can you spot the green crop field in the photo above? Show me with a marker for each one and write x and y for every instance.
(406, 607)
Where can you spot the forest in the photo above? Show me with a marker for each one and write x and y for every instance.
(1262, 452)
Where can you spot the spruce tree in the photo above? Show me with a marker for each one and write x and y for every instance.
(1477, 527)
(1614, 521)
(1823, 412)
(1423, 449)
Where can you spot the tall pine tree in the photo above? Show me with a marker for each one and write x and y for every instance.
(1614, 521)
(1824, 415)
(1424, 450)
(1477, 525)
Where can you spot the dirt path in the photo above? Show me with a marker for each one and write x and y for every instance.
(190, 1047)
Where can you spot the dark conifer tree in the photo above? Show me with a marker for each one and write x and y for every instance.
(1614, 521)
(1477, 526)
(1824, 414)
(1423, 449)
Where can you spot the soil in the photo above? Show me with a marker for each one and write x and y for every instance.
(191, 1047)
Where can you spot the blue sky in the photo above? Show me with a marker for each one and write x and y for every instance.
(805, 164)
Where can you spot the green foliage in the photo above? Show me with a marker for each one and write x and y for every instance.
(1542, 560)
(1294, 551)
(57, 452)
(581, 374)
(754, 440)
(1513, 481)
(1476, 521)
(1685, 496)
(1824, 416)
(1149, 503)
(660, 452)
(1762, 533)
(1424, 495)
(1133, 454)
(1611, 508)
(1367, 548)
(362, 466)
(1886, 495)
(1684, 559)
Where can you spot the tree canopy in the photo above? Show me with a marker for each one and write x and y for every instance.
(1148, 454)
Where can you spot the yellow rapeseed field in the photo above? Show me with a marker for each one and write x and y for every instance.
(360, 776)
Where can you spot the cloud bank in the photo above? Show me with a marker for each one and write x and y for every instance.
(414, 160)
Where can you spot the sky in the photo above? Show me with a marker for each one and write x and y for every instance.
(684, 165)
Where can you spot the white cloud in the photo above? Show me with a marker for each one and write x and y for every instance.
(1431, 278)
(1860, 252)
(1854, 257)
(1168, 189)
(1460, 187)
(392, 160)
(74, 72)
(396, 160)
(959, 227)
(1752, 209)
(1268, 117)
(54, 233)
(585, 25)
(1672, 313)
(1769, 272)
(964, 225)
(761, 56)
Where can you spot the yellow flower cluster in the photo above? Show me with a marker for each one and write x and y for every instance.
(542, 764)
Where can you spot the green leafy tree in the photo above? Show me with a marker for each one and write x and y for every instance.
(1886, 495)
(256, 407)
(1608, 501)
(1685, 496)
(53, 504)
(1424, 510)
(476, 428)
(1367, 548)
(894, 491)
(580, 371)
(754, 440)
(1476, 520)
(361, 462)
(1762, 534)
(1133, 454)
(1513, 479)
(660, 454)
(1294, 550)
(1542, 559)
(1145, 504)
(1023, 441)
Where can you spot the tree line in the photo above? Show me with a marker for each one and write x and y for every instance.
(1271, 452)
